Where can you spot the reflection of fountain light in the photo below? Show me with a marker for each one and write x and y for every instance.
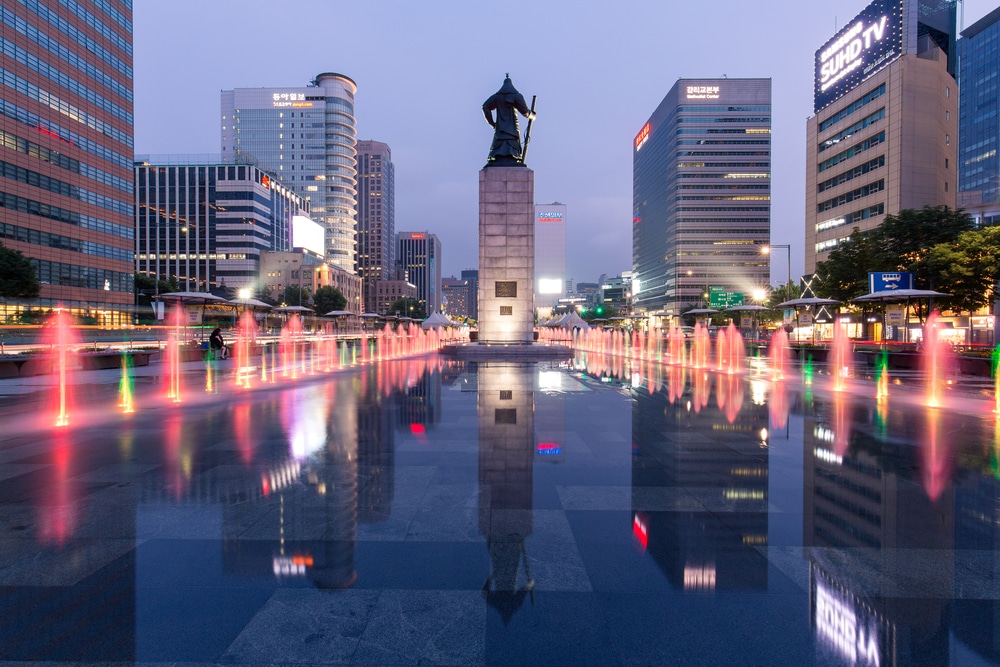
(936, 464)
(778, 405)
(58, 509)
(729, 395)
(995, 458)
(841, 426)
(701, 390)
(242, 431)
(758, 391)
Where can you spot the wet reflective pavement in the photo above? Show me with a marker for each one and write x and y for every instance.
(446, 513)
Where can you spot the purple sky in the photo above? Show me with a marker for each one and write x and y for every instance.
(423, 70)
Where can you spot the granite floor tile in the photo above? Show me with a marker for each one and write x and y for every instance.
(305, 627)
(426, 627)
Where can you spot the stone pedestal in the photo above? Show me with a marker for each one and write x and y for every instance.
(506, 255)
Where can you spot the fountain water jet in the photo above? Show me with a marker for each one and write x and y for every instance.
(61, 340)
(126, 398)
(882, 376)
(839, 362)
(780, 354)
(939, 361)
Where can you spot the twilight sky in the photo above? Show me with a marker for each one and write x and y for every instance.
(423, 70)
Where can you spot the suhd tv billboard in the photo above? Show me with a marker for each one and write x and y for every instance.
(868, 43)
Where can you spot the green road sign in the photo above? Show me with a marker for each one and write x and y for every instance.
(720, 299)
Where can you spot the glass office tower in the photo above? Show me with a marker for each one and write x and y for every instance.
(207, 225)
(701, 193)
(67, 139)
(978, 127)
(419, 255)
(376, 218)
(306, 137)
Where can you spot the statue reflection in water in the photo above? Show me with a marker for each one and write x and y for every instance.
(506, 409)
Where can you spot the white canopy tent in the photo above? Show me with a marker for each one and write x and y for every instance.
(435, 321)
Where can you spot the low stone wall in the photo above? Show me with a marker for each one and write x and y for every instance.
(44, 364)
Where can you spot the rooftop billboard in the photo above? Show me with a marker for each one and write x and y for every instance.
(307, 234)
(867, 44)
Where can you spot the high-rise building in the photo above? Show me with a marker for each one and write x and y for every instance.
(978, 129)
(472, 277)
(418, 254)
(207, 225)
(67, 137)
(306, 137)
(456, 292)
(701, 193)
(885, 130)
(550, 253)
(376, 218)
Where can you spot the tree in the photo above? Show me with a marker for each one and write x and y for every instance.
(968, 268)
(408, 307)
(295, 296)
(17, 276)
(328, 299)
(844, 275)
(783, 292)
(904, 240)
(264, 294)
(147, 286)
(598, 312)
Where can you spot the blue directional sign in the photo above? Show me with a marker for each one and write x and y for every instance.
(881, 281)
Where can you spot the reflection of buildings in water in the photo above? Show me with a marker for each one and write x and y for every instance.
(977, 517)
(420, 402)
(310, 479)
(705, 452)
(376, 454)
(505, 406)
(866, 516)
(550, 415)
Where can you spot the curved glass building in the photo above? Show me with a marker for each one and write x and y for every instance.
(307, 137)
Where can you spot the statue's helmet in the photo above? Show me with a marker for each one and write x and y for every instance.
(507, 88)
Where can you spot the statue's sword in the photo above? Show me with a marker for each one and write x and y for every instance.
(527, 131)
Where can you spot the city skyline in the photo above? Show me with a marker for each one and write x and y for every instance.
(421, 83)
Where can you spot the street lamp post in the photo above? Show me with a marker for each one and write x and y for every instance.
(788, 249)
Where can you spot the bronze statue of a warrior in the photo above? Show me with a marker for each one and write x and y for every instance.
(506, 150)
